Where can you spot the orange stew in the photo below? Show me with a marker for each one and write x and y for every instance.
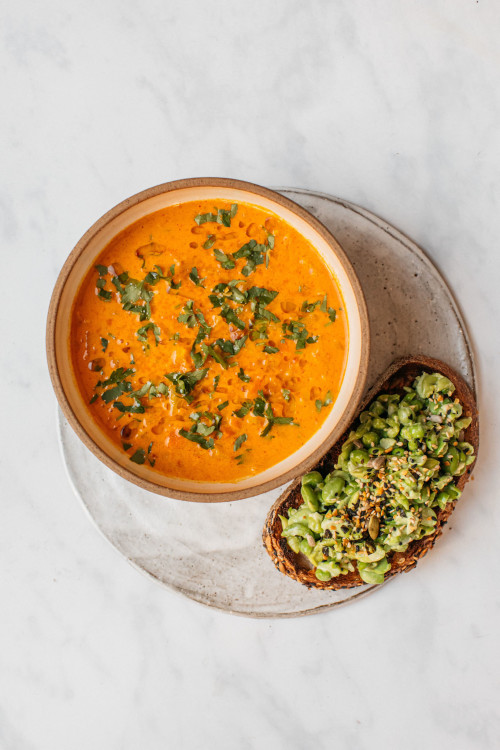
(209, 342)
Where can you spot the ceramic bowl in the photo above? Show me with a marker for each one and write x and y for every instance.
(84, 255)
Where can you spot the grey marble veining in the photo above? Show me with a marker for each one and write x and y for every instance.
(394, 106)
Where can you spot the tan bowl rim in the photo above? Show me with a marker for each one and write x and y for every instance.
(67, 410)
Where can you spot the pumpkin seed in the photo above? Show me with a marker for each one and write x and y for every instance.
(373, 527)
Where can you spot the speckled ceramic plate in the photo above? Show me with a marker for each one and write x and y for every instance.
(213, 553)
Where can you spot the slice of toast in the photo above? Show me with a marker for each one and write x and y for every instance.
(401, 373)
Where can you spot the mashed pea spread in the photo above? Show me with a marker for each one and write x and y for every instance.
(394, 473)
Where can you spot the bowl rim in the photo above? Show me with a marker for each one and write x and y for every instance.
(97, 450)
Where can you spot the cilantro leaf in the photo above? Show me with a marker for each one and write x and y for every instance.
(185, 382)
(225, 261)
(142, 333)
(139, 456)
(230, 316)
(239, 442)
(193, 275)
(196, 438)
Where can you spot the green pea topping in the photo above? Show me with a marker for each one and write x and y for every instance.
(395, 472)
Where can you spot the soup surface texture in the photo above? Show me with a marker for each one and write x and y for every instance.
(209, 341)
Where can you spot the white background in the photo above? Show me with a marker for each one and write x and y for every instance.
(393, 105)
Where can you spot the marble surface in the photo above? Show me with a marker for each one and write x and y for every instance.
(391, 105)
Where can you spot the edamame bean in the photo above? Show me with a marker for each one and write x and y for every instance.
(309, 496)
(332, 489)
(313, 478)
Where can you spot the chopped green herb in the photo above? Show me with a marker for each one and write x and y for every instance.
(222, 216)
(223, 406)
(195, 438)
(142, 333)
(193, 275)
(225, 261)
(328, 400)
(170, 278)
(185, 382)
(126, 446)
(210, 351)
(139, 456)
(188, 317)
(271, 349)
(230, 316)
(104, 343)
(239, 442)
(94, 398)
(310, 306)
(136, 408)
(286, 394)
(254, 253)
(296, 330)
(244, 409)
(243, 377)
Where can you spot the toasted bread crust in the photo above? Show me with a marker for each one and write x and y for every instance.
(401, 373)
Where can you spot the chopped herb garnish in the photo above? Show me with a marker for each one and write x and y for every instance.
(286, 394)
(151, 390)
(94, 398)
(210, 351)
(225, 261)
(104, 343)
(188, 316)
(328, 400)
(195, 438)
(136, 408)
(230, 316)
(296, 330)
(254, 253)
(271, 349)
(201, 430)
(223, 406)
(193, 275)
(310, 306)
(142, 333)
(126, 446)
(118, 382)
(170, 278)
(139, 456)
(239, 442)
(222, 216)
(244, 409)
(185, 382)
(216, 382)
(243, 377)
